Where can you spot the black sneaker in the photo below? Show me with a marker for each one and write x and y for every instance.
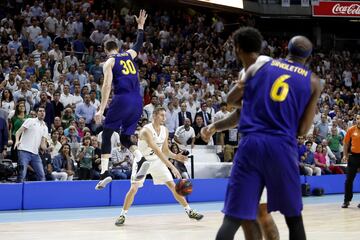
(120, 221)
(359, 206)
(194, 215)
(346, 205)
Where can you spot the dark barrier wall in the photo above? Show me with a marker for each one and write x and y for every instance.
(75, 194)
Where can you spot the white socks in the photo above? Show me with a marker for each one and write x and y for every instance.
(104, 165)
(187, 208)
(123, 212)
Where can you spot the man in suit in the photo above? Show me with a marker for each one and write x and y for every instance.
(183, 114)
(203, 113)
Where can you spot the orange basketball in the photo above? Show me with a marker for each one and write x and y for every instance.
(183, 187)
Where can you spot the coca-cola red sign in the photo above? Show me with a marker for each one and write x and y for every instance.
(337, 9)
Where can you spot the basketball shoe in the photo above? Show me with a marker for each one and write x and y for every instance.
(120, 220)
(194, 215)
(142, 169)
(105, 179)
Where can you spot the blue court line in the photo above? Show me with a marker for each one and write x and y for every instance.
(112, 212)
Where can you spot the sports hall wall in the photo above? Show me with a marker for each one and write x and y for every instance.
(76, 194)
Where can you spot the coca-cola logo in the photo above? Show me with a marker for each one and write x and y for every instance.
(353, 9)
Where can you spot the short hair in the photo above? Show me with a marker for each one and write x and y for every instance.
(38, 108)
(308, 142)
(249, 39)
(111, 45)
(157, 110)
(223, 104)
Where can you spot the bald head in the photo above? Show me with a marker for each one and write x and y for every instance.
(300, 47)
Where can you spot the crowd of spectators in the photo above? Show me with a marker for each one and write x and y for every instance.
(51, 56)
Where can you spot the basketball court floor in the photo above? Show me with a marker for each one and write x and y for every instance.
(323, 217)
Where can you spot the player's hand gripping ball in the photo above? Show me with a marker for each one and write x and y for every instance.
(183, 187)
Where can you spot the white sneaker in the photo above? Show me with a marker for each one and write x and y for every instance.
(102, 184)
(142, 169)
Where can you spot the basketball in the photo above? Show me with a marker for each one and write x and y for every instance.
(184, 187)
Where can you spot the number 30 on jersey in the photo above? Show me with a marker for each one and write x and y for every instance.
(128, 67)
(280, 88)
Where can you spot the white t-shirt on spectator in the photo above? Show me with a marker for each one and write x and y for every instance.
(34, 32)
(66, 100)
(31, 138)
(220, 115)
(115, 139)
(184, 135)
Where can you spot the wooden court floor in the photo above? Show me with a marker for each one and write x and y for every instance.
(322, 221)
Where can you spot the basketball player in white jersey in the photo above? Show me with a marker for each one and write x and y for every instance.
(153, 144)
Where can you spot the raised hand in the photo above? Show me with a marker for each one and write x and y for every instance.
(141, 19)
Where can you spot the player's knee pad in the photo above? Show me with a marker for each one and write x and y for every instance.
(126, 140)
(106, 141)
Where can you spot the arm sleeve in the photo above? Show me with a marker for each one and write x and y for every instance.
(139, 40)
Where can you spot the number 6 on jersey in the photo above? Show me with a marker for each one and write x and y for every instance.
(280, 88)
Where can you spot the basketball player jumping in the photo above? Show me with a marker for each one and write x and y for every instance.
(125, 108)
(153, 144)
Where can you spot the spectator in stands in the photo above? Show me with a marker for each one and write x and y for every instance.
(7, 101)
(16, 121)
(49, 109)
(85, 157)
(222, 113)
(67, 117)
(309, 162)
(171, 120)
(323, 127)
(204, 114)
(63, 164)
(54, 144)
(115, 139)
(33, 134)
(183, 114)
(179, 165)
(86, 110)
(57, 105)
(335, 142)
(121, 159)
(46, 162)
(95, 171)
(199, 124)
(329, 155)
(302, 156)
(4, 132)
(185, 135)
(148, 109)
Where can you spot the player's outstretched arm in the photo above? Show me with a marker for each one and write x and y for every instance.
(140, 35)
(106, 88)
(226, 123)
(309, 113)
(146, 135)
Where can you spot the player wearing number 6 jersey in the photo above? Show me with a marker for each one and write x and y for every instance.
(278, 103)
(125, 108)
